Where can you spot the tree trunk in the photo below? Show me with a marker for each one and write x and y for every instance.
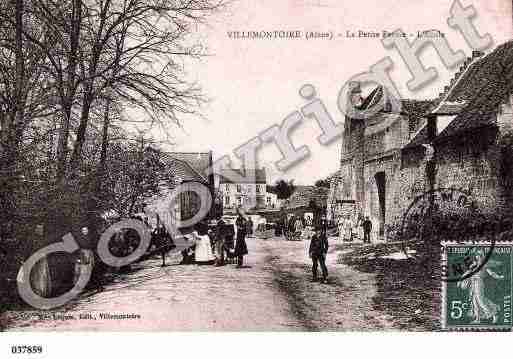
(76, 157)
(70, 89)
(13, 124)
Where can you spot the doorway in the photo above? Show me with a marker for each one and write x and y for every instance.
(381, 185)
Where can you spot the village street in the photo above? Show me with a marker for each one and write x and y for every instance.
(271, 292)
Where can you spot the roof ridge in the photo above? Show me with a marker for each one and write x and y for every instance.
(194, 170)
(188, 165)
(477, 56)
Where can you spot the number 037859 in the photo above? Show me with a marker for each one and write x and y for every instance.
(27, 349)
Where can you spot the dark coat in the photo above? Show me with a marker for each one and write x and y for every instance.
(318, 245)
(241, 248)
(367, 226)
(220, 230)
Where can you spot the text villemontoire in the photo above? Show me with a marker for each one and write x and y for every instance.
(120, 316)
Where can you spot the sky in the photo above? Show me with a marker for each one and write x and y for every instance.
(254, 84)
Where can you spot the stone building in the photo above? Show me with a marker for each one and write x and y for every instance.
(459, 141)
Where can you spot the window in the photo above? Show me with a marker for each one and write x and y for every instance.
(239, 201)
(239, 188)
(258, 188)
(227, 187)
(227, 201)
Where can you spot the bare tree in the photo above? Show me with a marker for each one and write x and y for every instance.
(100, 53)
(133, 50)
(23, 95)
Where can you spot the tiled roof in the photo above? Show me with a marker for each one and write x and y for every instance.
(303, 194)
(199, 161)
(181, 170)
(408, 107)
(476, 96)
(485, 86)
(248, 175)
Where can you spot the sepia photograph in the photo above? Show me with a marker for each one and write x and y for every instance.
(254, 166)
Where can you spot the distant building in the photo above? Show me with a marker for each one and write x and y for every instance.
(303, 196)
(271, 200)
(249, 190)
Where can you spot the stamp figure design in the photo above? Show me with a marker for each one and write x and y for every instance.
(483, 299)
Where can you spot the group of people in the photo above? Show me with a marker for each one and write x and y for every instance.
(361, 228)
(217, 245)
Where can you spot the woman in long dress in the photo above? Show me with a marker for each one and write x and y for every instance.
(359, 227)
(348, 229)
(241, 249)
(340, 226)
(482, 306)
(203, 253)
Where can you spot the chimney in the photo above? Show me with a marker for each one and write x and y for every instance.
(354, 96)
(431, 127)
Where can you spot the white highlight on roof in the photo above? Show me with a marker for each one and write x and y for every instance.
(444, 101)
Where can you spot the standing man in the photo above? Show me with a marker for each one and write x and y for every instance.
(220, 236)
(164, 242)
(317, 252)
(367, 228)
(241, 249)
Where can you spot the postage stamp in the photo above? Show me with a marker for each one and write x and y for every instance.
(477, 285)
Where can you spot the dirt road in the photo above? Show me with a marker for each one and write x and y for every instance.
(271, 292)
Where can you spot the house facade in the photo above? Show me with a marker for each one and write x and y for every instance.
(457, 142)
(246, 189)
(188, 169)
(271, 201)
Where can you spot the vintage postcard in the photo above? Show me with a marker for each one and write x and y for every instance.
(265, 165)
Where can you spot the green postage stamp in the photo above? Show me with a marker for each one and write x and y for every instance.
(477, 286)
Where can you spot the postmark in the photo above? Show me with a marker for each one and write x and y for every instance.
(444, 214)
(481, 300)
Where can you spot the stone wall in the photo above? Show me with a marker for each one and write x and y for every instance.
(468, 163)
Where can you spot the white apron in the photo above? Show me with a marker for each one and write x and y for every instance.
(203, 252)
